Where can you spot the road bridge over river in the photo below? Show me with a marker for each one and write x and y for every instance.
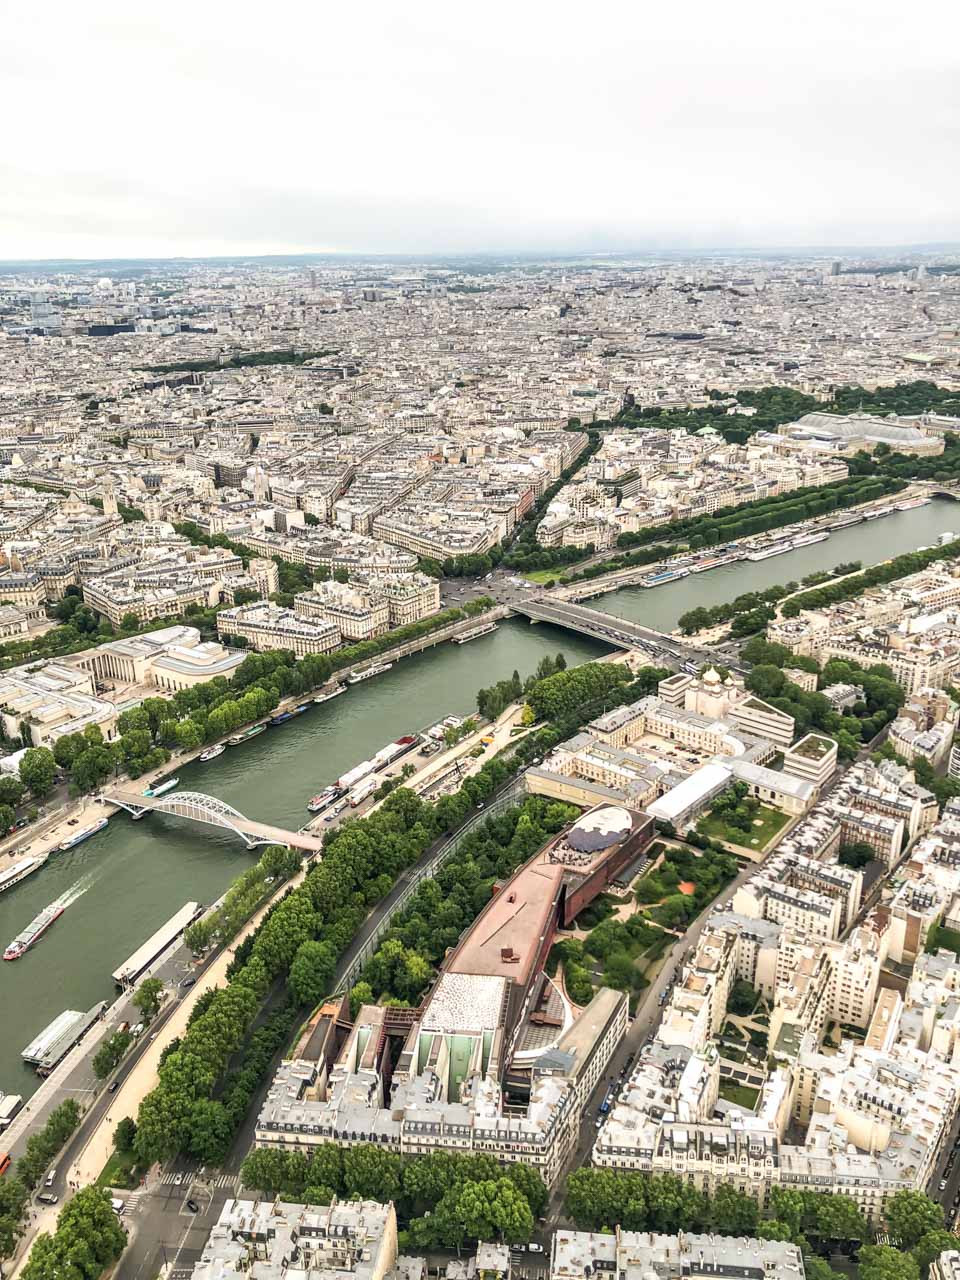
(195, 806)
(620, 632)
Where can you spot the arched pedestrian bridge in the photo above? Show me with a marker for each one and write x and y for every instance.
(198, 807)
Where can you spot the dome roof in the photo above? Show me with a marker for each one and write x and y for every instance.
(600, 829)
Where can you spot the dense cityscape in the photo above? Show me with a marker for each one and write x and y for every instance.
(537, 680)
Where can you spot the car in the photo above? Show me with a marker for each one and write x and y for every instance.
(178, 1180)
(47, 1197)
(193, 1206)
(534, 1247)
(113, 1086)
(943, 1184)
(188, 982)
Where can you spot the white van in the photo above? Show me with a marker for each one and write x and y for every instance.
(119, 1207)
(50, 1179)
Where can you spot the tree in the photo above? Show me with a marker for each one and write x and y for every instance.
(837, 1217)
(67, 748)
(856, 854)
(732, 1212)
(371, 1173)
(930, 1246)
(210, 1131)
(311, 972)
(147, 998)
(129, 622)
(742, 1000)
(881, 1262)
(38, 770)
(910, 1215)
(92, 767)
(11, 791)
(88, 1238)
(189, 736)
(125, 1134)
(494, 1209)
(110, 1052)
(360, 993)
(816, 1269)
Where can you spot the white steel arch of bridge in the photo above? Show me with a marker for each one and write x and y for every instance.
(197, 807)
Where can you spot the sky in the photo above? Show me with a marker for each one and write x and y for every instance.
(230, 128)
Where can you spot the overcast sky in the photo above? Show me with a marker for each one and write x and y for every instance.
(208, 127)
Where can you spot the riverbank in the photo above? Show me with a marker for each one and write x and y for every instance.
(635, 575)
(870, 542)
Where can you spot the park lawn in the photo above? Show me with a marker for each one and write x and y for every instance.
(771, 823)
(742, 1094)
(120, 1171)
(541, 575)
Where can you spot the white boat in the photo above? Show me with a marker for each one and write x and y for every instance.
(325, 799)
(161, 788)
(19, 871)
(805, 539)
(716, 562)
(767, 552)
(370, 671)
(84, 834)
(331, 693)
(476, 633)
(211, 753)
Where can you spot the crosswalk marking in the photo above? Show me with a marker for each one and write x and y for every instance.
(221, 1180)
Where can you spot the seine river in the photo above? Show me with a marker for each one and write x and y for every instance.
(133, 876)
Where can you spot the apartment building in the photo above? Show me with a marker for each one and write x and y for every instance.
(266, 626)
(639, 1255)
(277, 1240)
(359, 614)
(813, 758)
(409, 596)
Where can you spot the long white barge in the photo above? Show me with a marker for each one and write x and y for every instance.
(19, 871)
(156, 945)
(56, 1040)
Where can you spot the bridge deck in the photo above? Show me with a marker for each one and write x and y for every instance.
(621, 632)
(258, 830)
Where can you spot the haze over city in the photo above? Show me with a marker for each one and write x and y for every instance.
(214, 129)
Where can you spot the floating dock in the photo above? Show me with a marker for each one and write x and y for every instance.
(56, 1040)
(156, 945)
(475, 633)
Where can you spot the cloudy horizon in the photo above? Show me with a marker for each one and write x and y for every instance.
(200, 131)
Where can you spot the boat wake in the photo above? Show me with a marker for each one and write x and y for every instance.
(76, 891)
